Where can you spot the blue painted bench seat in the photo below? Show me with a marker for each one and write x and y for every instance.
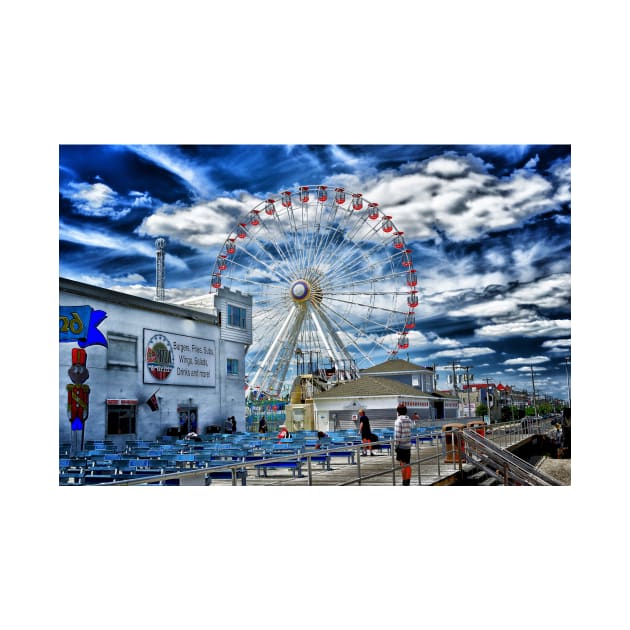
(320, 457)
(294, 465)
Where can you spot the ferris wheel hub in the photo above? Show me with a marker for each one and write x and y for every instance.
(300, 291)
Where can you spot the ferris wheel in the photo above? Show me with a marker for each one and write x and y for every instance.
(332, 281)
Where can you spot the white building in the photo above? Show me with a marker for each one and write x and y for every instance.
(193, 359)
(379, 391)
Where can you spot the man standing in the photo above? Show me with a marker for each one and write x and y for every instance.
(402, 443)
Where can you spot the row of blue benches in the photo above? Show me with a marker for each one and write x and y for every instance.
(102, 462)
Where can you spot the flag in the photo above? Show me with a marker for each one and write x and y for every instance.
(153, 402)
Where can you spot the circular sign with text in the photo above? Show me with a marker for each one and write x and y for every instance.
(159, 357)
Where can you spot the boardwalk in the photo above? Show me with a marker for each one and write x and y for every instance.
(346, 467)
(375, 471)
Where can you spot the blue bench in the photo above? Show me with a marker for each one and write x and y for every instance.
(319, 456)
(71, 477)
(226, 474)
(294, 465)
(99, 477)
(348, 454)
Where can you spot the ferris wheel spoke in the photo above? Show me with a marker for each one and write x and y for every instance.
(274, 239)
(384, 284)
(338, 280)
(372, 307)
(321, 233)
(263, 257)
(275, 364)
(352, 340)
(359, 332)
(354, 260)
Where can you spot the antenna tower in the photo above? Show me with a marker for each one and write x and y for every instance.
(160, 246)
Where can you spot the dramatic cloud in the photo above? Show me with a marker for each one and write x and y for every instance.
(202, 226)
(538, 328)
(97, 200)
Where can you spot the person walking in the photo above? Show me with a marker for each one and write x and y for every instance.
(262, 425)
(402, 443)
(366, 432)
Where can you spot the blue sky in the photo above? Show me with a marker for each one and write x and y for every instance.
(489, 228)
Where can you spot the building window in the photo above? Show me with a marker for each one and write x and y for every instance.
(121, 419)
(237, 316)
(232, 366)
(121, 351)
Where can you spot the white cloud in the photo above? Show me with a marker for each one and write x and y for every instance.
(463, 353)
(557, 345)
(492, 308)
(526, 360)
(550, 292)
(532, 162)
(97, 200)
(447, 166)
(527, 369)
(537, 328)
(203, 225)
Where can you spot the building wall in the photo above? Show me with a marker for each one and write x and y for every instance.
(202, 353)
(381, 410)
(339, 414)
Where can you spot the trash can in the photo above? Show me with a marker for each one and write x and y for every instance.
(452, 453)
(477, 425)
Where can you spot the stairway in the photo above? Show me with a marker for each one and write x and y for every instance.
(476, 477)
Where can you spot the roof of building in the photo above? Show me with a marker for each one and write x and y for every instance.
(369, 386)
(394, 366)
(134, 301)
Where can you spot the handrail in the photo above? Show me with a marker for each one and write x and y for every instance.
(487, 453)
(301, 455)
(501, 463)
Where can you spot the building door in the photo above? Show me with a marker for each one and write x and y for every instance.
(187, 420)
(439, 409)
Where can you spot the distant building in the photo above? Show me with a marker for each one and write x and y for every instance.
(193, 359)
(379, 390)
(422, 378)
(494, 397)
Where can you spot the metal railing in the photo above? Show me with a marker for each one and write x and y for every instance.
(501, 463)
(303, 459)
(428, 462)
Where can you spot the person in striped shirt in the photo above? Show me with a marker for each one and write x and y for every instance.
(402, 443)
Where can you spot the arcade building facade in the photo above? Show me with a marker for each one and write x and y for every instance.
(155, 367)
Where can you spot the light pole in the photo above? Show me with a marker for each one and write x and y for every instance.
(487, 380)
(566, 366)
(455, 366)
(467, 367)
